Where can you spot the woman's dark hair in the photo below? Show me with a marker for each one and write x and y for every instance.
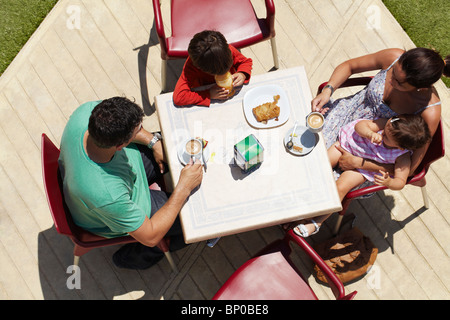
(210, 53)
(410, 131)
(423, 67)
(113, 121)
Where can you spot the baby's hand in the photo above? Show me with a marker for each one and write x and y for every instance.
(382, 180)
(376, 138)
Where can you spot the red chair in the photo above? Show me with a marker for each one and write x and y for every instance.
(271, 275)
(235, 19)
(436, 150)
(84, 240)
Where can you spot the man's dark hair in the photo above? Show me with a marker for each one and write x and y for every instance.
(209, 51)
(113, 121)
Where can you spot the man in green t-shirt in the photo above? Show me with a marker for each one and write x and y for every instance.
(107, 161)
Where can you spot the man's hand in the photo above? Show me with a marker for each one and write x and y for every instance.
(191, 176)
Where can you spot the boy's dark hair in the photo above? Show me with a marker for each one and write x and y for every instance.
(210, 53)
(410, 131)
(113, 121)
(423, 67)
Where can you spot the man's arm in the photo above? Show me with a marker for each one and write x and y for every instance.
(154, 229)
(144, 137)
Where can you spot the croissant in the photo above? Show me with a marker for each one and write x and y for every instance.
(267, 111)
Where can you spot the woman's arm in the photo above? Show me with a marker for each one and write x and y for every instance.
(347, 161)
(375, 61)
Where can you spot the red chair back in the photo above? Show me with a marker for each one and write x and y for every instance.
(61, 215)
(271, 274)
(52, 180)
(235, 19)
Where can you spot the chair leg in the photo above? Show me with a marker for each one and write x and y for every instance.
(78, 252)
(345, 204)
(171, 262)
(338, 223)
(164, 75)
(76, 260)
(422, 183)
(274, 53)
(163, 245)
(426, 204)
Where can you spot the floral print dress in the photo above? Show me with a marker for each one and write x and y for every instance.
(365, 104)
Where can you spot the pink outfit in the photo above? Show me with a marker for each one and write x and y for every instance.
(352, 142)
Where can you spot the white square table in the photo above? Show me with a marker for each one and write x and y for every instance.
(284, 188)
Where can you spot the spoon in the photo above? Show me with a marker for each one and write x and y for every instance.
(290, 144)
(203, 155)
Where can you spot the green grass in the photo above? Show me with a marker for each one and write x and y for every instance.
(426, 22)
(18, 20)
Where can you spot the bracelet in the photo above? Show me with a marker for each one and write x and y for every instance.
(362, 162)
(329, 86)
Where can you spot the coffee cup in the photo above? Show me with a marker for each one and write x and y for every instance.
(315, 121)
(193, 148)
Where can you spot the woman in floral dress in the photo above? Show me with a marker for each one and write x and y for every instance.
(403, 86)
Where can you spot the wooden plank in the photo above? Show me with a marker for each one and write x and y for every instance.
(72, 74)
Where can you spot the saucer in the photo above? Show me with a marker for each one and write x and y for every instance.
(185, 158)
(303, 138)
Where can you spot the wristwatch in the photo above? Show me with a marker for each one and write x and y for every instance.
(156, 137)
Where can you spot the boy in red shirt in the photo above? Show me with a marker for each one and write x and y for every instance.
(210, 55)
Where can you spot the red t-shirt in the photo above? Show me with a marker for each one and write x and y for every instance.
(192, 77)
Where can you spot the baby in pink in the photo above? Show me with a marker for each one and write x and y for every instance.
(362, 147)
(381, 141)
(384, 143)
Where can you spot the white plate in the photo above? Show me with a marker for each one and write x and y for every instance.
(302, 138)
(184, 158)
(263, 94)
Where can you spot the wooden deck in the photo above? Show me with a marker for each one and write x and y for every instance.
(88, 50)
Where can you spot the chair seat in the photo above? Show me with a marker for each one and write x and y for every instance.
(269, 276)
(235, 19)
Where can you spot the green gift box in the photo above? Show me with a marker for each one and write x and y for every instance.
(248, 153)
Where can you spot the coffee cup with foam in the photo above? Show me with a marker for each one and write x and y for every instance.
(315, 121)
(193, 149)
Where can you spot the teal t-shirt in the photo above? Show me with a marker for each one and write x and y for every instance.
(108, 199)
